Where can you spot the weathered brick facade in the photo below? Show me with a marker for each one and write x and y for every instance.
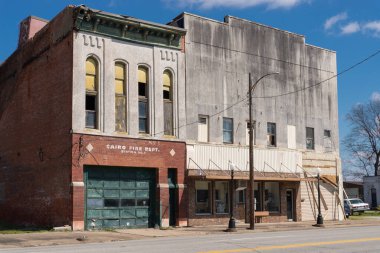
(35, 123)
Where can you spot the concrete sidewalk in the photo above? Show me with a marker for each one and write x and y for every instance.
(57, 238)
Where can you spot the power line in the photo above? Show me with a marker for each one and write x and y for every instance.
(328, 79)
(288, 93)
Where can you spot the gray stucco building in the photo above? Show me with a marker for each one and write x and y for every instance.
(295, 114)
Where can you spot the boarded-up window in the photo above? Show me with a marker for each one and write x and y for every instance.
(291, 137)
(168, 102)
(91, 93)
(143, 86)
(120, 98)
(203, 128)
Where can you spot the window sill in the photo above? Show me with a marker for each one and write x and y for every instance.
(170, 136)
(202, 214)
(94, 130)
(222, 213)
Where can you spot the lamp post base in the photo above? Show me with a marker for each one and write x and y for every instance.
(319, 221)
(231, 225)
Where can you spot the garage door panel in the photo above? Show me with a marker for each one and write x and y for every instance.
(142, 184)
(110, 213)
(119, 197)
(111, 193)
(94, 214)
(142, 222)
(128, 213)
(142, 194)
(111, 223)
(95, 183)
(95, 203)
(142, 212)
(127, 193)
(128, 184)
(94, 193)
(125, 223)
(114, 183)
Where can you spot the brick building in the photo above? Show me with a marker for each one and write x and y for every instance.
(111, 121)
(80, 144)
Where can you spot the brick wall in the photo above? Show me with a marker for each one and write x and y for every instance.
(35, 123)
(124, 152)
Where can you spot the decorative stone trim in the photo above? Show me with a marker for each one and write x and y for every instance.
(162, 185)
(77, 184)
(128, 28)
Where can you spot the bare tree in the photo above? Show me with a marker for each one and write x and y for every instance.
(363, 141)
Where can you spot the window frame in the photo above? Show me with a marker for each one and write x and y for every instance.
(143, 99)
(93, 94)
(123, 95)
(228, 131)
(220, 200)
(209, 196)
(308, 138)
(168, 101)
(271, 135)
(207, 127)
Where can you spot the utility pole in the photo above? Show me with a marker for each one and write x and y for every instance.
(251, 182)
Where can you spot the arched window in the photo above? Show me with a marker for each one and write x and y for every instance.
(91, 93)
(143, 83)
(120, 97)
(167, 80)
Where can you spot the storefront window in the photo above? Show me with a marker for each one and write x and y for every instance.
(221, 197)
(272, 196)
(257, 192)
(203, 197)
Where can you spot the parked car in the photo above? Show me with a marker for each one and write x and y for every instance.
(356, 205)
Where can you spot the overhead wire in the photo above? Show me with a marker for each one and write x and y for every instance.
(285, 94)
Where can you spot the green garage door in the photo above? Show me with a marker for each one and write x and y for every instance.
(119, 197)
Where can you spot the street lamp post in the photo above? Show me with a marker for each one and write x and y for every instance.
(231, 222)
(319, 217)
(251, 196)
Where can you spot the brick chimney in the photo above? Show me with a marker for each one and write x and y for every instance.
(29, 27)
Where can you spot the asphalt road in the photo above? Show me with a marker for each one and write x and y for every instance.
(317, 240)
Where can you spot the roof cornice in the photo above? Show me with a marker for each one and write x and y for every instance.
(127, 28)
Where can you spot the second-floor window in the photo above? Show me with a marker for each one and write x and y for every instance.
(202, 128)
(271, 134)
(327, 140)
(120, 98)
(167, 94)
(91, 93)
(143, 87)
(228, 130)
(309, 138)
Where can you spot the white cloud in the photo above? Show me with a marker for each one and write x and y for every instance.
(335, 19)
(350, 28)
(375, 96)
(373, 26)
(209, 4)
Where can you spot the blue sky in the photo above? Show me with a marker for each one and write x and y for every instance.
(349, 27)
